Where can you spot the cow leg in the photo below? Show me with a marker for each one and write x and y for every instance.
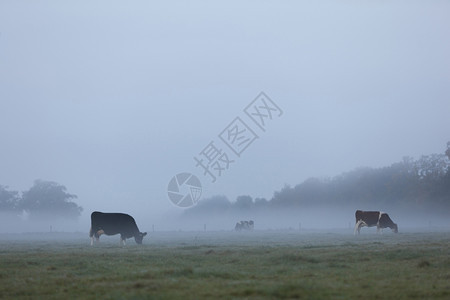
(91, 235)
(357, 227)
(98, 234)
(379, 230)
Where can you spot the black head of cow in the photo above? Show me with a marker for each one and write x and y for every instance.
(139, 237)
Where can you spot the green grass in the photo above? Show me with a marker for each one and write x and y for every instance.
(228, 265)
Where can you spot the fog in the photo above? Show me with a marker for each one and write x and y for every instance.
(326, 220)
(113, 99)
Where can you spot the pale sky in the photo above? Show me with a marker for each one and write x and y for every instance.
(113, 98)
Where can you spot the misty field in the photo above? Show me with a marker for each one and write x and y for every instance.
(196, 265)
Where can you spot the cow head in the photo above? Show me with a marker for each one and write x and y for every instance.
(139, 237)
(395, 228)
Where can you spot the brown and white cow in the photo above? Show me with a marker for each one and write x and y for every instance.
(374, 218)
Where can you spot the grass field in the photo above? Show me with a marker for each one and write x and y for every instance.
(227, 265)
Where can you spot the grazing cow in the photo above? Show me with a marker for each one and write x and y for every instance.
(244, 225)
(374, 218)
(114, 223)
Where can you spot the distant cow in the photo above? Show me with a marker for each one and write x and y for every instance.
(244, 225)
(374, 218)
(114, 223)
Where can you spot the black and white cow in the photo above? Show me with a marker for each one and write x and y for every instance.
(374, 218)
(114, 223)
(244, 225)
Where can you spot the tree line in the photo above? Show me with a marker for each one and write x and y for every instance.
(43, 199)
(421, 185)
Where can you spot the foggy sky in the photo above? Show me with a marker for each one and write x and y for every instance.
(112, 99)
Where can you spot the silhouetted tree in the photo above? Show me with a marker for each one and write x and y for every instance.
(49, 199)
(284, 198)
(243, 203)
(447, 152)
(261, 203)
(432, 166)
(9, 200)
